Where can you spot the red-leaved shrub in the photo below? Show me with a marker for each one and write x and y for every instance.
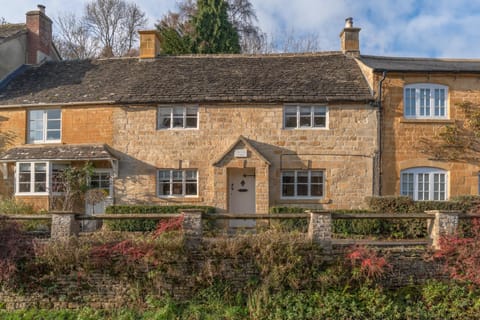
(172, 224)
(15, 248)
(462, 255)
(366, 263)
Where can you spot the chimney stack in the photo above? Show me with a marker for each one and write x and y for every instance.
(39, 36)
(349, 38)
(149, 44)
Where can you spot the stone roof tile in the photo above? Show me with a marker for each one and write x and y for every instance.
(192, 79)
(58, 152)
(421, 64)
(9, 30)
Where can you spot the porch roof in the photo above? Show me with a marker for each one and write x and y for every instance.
(58, 152)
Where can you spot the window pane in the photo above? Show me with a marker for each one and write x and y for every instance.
(305, 116)
(409, 102)
(302, 190)
(40, 177)
(288, 190)
(54, 114)
(317, 177)
(177, 188)
(302, 183)
(164, 174)
(35, 125)
(177, 175)
(164, 182)
(24, 177)
(290, 121)
(164, 189)
(317, 190)
(177, 122)
(290, 116)
(288, 177)
(191, 189)
(53, 135)
(191, 122)
(439, 186)
(53, 124)
(288, 184)
(319, 117)
(439, 101)
(164, 118)
(407, 185)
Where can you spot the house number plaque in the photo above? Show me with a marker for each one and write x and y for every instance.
(240, 153)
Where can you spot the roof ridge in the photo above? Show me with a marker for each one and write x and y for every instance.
(233, 56)
(420, 58)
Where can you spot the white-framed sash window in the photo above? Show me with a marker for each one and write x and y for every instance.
(424, 183)
(177, 183)
(425, 101)
(301, 184)
(305, 116)
(177, 118)
(44, 126)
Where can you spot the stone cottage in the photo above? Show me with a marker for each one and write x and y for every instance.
(241, 133)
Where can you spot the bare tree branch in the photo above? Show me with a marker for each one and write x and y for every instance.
(107, 28)
(73, 39)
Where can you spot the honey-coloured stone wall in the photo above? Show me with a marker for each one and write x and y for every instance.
(345, 150)
(405, 142)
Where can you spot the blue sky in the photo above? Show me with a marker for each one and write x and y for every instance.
(415, 28)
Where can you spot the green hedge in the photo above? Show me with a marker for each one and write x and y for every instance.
(381, 228)
(300, 225)
(392, 204)
(145, 224)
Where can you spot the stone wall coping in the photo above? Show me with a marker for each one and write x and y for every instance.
(448, 212)
(64, 212)
(191, 211)
(322, 212)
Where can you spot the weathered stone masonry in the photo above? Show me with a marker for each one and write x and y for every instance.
(345, 150)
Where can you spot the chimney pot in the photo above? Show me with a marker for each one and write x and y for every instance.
(349, 22)
(349, 39)
(41, 7)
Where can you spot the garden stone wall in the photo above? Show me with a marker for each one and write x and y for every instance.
(410, 266)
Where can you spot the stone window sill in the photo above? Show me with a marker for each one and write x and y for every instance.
(306, 201)
(182, 199)
(428, 121)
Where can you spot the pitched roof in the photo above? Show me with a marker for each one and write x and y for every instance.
(201, 78)
(248, 145)
(10, 30)
(58, 152)
(421, 64)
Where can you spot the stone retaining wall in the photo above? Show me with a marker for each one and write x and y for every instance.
(410, 266)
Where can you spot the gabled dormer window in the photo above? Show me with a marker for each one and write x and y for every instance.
(425, 101)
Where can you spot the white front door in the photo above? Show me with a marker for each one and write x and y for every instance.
(242, 195)
(101, 179)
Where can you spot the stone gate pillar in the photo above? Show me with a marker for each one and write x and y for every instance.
(444, 223)
(320, 229)
(64, 225)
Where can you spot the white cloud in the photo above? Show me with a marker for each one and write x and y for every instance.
(440, 28)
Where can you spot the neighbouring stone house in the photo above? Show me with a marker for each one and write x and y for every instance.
(26, 43)
(238, 132)
(420, 98)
